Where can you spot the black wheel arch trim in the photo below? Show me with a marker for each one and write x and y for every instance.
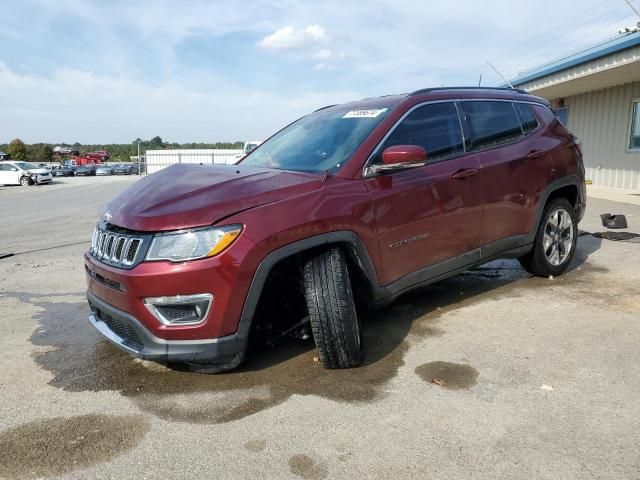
(357, 252)
(568, 181)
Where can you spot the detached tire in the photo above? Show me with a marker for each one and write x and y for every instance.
(332, 312)
(555, 241)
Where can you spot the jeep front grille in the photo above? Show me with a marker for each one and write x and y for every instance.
(111, 245)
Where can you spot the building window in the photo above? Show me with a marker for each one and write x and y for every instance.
(562, 114)
(634, 140)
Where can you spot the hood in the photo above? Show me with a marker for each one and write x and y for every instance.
(39, 171)
(186, 196)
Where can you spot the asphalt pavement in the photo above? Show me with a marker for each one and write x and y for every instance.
(492, 374)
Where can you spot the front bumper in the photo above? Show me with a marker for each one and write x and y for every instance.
(40, 179)
(127, 333)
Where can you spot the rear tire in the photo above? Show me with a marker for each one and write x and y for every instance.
(555, 241)
(332, 312)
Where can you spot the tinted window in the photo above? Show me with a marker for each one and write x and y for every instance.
(5, 167)
(434, 127)
(491, 123)
(527, 118)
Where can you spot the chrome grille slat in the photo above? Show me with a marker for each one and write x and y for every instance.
(125, 249)
(118, 245)
(117, 248)
(132, 251)
(109, 245)
(94, 241)
(101, 243)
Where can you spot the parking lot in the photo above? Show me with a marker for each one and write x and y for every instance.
(491, 374)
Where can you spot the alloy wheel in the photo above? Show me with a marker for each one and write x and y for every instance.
(558, 237)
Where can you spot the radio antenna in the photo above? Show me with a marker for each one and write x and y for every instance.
(501, 76)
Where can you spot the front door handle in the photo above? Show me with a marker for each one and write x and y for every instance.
(536, 154)
(464, 173)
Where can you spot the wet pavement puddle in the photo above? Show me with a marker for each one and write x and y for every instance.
(452, 376)
(306, 467)
(81, 360)
(55, 446)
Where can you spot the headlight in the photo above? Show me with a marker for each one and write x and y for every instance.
(192, 244)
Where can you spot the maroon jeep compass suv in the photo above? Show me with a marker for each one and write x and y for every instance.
(353, 203)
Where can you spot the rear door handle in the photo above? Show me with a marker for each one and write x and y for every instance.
(464, 173)
(536, 154)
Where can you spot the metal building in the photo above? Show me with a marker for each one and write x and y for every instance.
(158, 159)
(597, 94)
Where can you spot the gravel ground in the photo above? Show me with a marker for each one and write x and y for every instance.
(491, 374)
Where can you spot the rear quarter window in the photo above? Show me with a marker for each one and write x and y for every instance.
(490, 123)
(528, 120)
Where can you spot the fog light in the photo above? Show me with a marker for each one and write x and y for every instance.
(181, 309)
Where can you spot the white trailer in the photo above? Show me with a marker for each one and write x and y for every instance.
(158, 159)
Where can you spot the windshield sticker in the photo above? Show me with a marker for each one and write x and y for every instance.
(364, 113)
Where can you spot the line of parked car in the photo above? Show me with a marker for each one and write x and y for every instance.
(96, 170)
(16, 172)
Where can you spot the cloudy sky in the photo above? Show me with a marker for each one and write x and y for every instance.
(111, 71)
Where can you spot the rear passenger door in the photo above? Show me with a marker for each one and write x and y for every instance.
(515, 171)
(428, 214)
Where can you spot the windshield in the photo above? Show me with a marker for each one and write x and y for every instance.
(322, 141)
(25, 165)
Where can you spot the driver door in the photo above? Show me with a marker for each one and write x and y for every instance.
(428, 216)
(9, 174)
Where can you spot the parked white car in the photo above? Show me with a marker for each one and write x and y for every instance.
(15, 172)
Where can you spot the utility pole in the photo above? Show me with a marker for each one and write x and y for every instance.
(139, 169)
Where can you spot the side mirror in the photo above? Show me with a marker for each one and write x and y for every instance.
(400, 157)
(400, 154)
(14, 169)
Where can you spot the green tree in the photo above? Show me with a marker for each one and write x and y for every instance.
(156, 142)
(17, 149)
(42, 153)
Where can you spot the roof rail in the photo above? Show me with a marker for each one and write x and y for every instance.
(437, 89)
(325, 107)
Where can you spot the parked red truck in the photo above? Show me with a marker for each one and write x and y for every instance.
(81, 160)
(353, 204)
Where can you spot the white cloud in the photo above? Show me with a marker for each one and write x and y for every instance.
(73, 105)
(288, 37)
(324, 54)
(157, 73)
